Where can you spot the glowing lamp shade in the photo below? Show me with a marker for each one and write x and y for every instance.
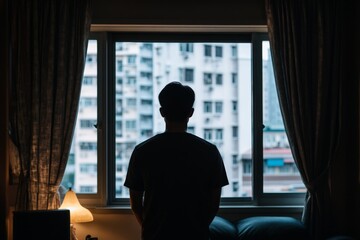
(78, 213)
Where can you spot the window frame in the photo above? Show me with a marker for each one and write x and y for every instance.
(106, 79)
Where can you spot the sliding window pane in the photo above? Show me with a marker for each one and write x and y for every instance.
(81, 170)
(226, 121)
(280, 171)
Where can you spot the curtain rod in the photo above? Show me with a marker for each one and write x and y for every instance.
(176, 28)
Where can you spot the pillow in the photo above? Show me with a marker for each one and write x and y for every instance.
(222, 229)
(271, 228)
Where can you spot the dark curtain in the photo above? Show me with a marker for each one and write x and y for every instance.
(48, 50)
(308, 42)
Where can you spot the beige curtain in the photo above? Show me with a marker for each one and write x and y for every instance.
(317, 91)
(48, 50)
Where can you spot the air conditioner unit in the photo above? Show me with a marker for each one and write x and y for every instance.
(185, 55)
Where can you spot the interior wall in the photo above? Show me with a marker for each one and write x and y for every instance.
(241, 12)
(4, 165)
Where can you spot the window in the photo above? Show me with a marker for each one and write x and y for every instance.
(130, 124)
(207, 50)
(208, 134)
(219, 107)
(186, 47)
(191, 129)
(234, 105)
(81, 170)
(186, 75)
(234, 51)
(234, 78)
(87, 80)
(234, 131)
(131, 59)
(207, 78)
(207, 107)
(219, 79)
(278, 161)
(89, 124)
(242, 82)
(119, 66)
(218, 51)
(218, 134)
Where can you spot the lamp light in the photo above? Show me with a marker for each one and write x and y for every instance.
(78, 213)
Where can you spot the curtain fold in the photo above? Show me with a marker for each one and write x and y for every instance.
(307, 40)
(48, 50)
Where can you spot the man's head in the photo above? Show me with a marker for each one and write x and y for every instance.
(176, 101)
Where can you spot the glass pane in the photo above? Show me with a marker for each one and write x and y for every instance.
(222, 108)
(81, 170)
(280, 171)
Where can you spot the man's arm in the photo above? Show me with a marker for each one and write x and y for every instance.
(214, 203)
(136, 203)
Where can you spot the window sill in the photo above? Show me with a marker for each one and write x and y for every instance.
(224, 210)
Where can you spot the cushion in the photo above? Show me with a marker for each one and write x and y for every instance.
(271, 228)
(222, 229)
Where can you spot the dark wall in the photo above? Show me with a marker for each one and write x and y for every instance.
(244, 12)
(4, 165)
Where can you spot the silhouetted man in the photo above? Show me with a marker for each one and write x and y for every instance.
(175, 178)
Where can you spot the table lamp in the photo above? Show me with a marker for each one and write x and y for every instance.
(78, 213)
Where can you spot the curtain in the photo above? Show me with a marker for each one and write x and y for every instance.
(48, 50)
(308, 44)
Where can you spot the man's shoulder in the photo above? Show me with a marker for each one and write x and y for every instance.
(163, 139)
(147, 143)
(200, 140)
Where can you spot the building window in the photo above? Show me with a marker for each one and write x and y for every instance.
(119, 65)
(131, 81)
(131, 59)
(234, 105)
(218, 51)
(234, 78)
(130, 124)
(208, 134)
(207, 50)
(219, 79)
(88, 146)
(187, 47)
(219, 134)
(131, 102)
(191, 129)
(186, 75)
(89, 80)
(87, 124)
(235, 159)
(207, 78)
(219, 107)
(234, 131)
(234, 53)
(88, 168)
(88, 102)
(87, 189)
(207, 107)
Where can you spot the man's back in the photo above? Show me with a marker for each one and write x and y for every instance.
(178, 172)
